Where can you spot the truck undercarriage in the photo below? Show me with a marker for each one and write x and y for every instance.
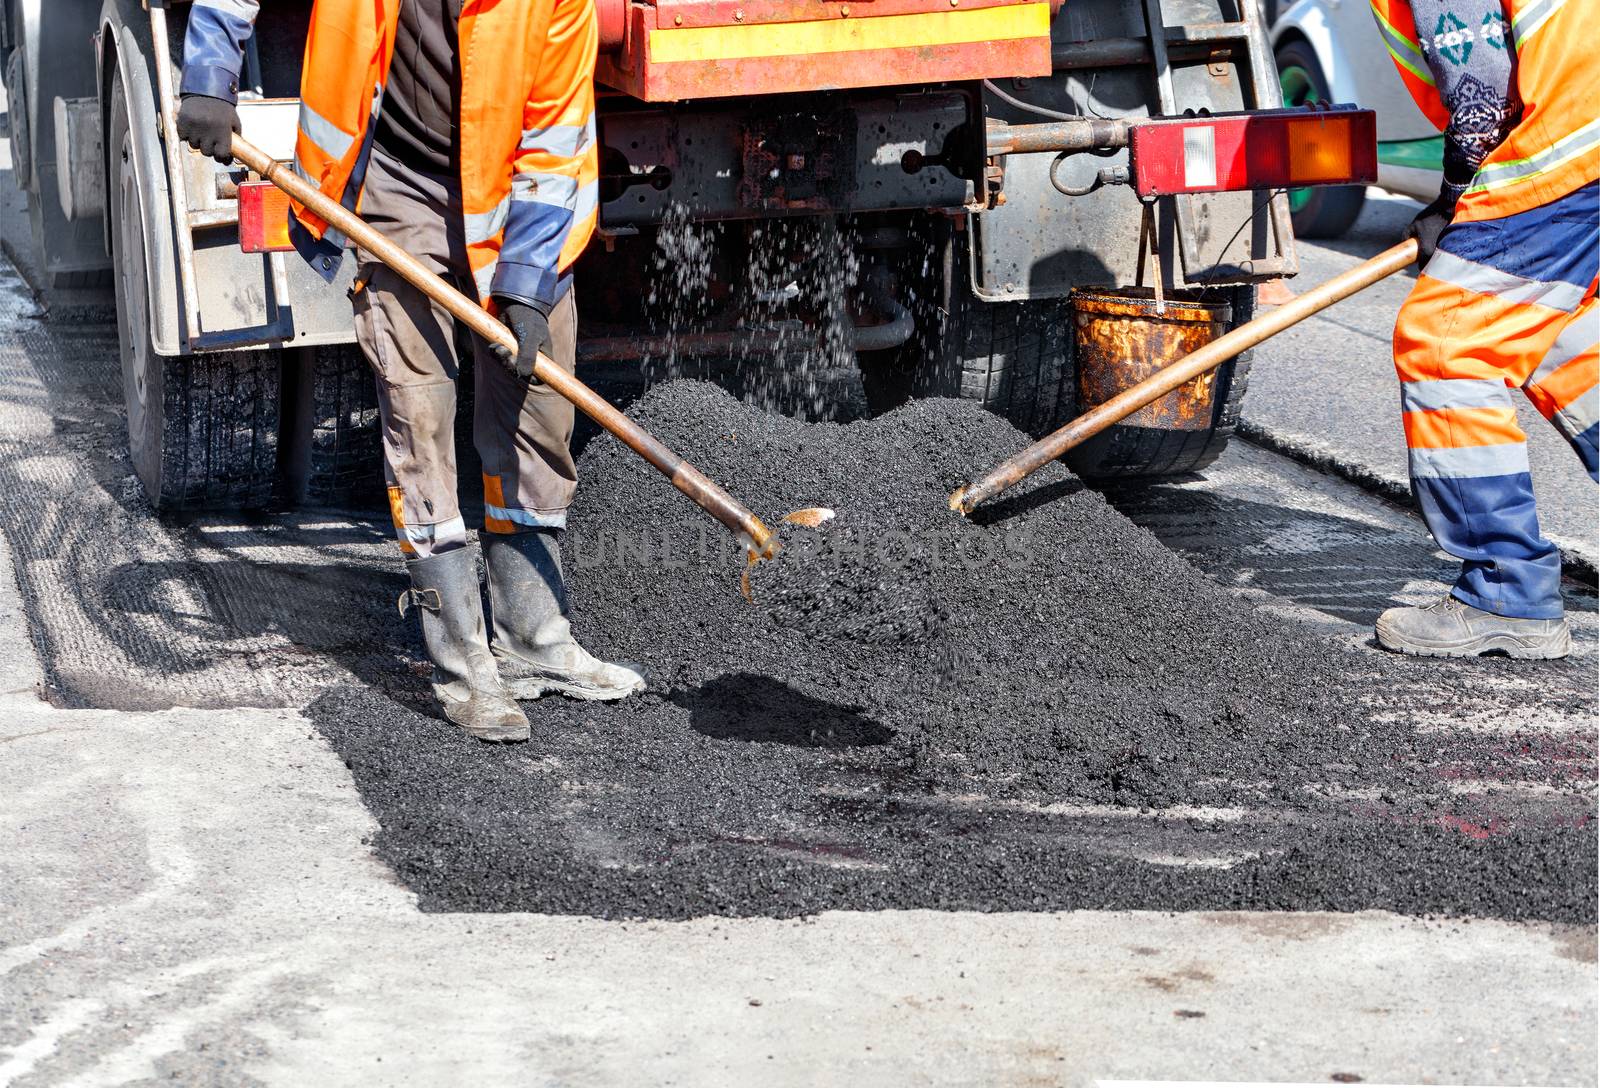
(831, 209)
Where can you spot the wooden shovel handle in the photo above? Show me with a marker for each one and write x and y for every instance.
(1008, 473)
(685, 477)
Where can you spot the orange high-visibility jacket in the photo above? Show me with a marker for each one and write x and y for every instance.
(1555, 146)
(529, 164)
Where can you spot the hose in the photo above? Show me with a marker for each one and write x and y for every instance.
(1028, 107)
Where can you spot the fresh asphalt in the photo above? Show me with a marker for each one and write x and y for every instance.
(191, 891)
(1035, 708)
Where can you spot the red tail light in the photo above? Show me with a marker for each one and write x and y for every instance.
(1269, 149)
(263, 217)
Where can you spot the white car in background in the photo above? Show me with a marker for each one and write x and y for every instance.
(1330, 51)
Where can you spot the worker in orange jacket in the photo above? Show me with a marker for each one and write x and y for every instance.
(1506, 297)
(464, 130)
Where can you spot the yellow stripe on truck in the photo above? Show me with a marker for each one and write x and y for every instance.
(712, 43)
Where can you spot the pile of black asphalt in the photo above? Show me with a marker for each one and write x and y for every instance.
(1040, 707)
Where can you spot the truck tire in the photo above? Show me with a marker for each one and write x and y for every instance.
(1320, 211)
(1015, 358)
(331, 438)
(17, 119)
(202, 429)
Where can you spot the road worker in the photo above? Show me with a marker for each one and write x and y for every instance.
(465, 132)
(1505, 297)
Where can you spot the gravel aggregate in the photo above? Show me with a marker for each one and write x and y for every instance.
(1041, 707)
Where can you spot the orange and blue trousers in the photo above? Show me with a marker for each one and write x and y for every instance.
(1502, 303)
(522, 432)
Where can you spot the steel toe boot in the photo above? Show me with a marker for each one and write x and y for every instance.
(444, 588)
(532, 638)
(1454, 628)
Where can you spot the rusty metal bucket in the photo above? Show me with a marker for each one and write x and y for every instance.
(1119, 340)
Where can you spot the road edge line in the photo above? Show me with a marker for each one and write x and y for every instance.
(21, 675)
(1574, 564)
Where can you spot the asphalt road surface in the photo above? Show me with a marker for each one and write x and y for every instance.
(190, 889)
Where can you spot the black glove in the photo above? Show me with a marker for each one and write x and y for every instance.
(530, 324)
(207, 124)
(1429, 224)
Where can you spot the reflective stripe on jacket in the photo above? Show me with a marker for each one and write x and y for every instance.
(1554, 148)
(529, 162)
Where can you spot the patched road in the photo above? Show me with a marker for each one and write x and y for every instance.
(195, 887)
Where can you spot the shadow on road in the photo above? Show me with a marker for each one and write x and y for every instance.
(751, 707)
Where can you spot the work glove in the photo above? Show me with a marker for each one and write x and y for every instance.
(530, 324)
(1429, 224)
(207, 124)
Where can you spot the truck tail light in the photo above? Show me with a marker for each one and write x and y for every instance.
(263, 217)
(1268, 149)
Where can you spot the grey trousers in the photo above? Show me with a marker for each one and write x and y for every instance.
(522, 432)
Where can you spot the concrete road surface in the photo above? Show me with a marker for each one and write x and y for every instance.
(188, 898)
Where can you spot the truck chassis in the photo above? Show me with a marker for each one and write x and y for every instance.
(975, 212)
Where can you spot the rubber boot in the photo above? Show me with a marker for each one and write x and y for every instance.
(444, 588)
(532, 637)
(1454, 628)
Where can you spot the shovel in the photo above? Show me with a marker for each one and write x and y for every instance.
(758, 539)
(964, 500)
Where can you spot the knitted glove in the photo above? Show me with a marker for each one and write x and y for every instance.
(530, 324)
(1430, 223)
(207, 124)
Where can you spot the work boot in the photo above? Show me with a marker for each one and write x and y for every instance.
(1454, 628)
(532, 637)
(444, 588)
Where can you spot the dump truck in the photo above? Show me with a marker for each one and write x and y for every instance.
(1041, 202)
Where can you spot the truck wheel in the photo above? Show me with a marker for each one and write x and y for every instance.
(332, 437)
(17, 119)
(1322, 211)
(1015, 358)
(202, 429)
